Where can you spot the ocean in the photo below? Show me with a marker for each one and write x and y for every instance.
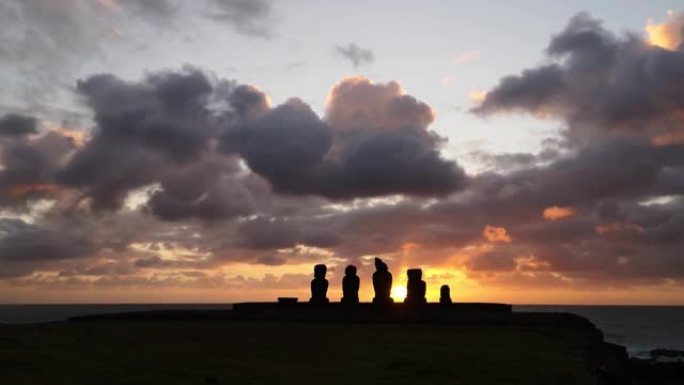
(639, 328)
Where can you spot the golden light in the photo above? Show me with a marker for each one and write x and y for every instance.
(667, 35)
(399, 293)
(477, 97)
(555, 213)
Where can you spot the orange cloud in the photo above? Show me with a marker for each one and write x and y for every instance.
(496, 234)
(667, 35)
(478, 96)
(668, 139)
(555, 213)
(359, 102)
(618, 227)
(31, 188)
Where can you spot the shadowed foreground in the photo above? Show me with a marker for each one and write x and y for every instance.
(199, 352)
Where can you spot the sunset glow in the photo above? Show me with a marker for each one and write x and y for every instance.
(667, 35)
(398, 293)
(216, 151)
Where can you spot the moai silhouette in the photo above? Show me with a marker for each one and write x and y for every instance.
(415, 287)
(350, 286)
(319, 285)
(445, 295)
(382, 283)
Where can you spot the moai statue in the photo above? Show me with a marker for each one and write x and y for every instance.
(350, 286)
(445, 295)
(382, 283)
(415, 287)
(319, 285)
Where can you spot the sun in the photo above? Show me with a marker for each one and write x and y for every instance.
(399, 293)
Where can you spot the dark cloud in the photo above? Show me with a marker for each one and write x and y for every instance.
(17, 125)
(143, 129)
(600, 84)
(250, 17)
(29, 168)
(264, 233)
(209, 190)
(492, 262)
(28, 243)
(161, 11)
(355, 54)
(373, 141)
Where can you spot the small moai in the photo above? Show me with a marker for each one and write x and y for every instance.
(445, 295)
(382, 283)
(350, 286)
(319, 285)
(415, 287)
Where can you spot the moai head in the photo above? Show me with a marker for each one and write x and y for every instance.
(445, 291)
(380, 265)
(414, 274)
(350, 270)
(319, 271)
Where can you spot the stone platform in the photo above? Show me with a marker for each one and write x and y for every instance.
(367, 312)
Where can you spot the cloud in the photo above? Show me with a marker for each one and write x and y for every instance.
(183, 134)
(208, 190)
(17, 125)
(29, 167)
(355, 54)
(555, 213)
(492, 262)
(250, 17)
(186, 177)
(601, 84)
(668, 35)
(24, 242)
(46, 45)
(144, 129)
(373, 141)
(496, 234)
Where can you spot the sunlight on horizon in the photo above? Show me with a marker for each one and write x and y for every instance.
(399, 293)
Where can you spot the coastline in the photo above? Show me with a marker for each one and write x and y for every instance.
(568, 343)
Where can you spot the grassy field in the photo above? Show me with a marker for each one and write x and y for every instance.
(287, 353)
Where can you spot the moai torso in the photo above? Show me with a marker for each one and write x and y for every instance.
(415, 287)
(382, 282)
(350, 285)
(319, 285)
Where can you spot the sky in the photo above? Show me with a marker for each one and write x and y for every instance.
(527, 152)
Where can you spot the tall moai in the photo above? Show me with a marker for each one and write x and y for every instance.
(382, 283)
(445, 295)
(319, 285)
(415, 287)
(350, 286)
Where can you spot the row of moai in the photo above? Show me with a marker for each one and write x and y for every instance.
(382, 285)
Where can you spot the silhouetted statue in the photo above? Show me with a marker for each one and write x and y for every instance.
(382, 283)
(445, 295)
(319, 285)
(350, 285)
(415, 287)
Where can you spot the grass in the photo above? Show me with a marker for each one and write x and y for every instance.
(282, 353)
